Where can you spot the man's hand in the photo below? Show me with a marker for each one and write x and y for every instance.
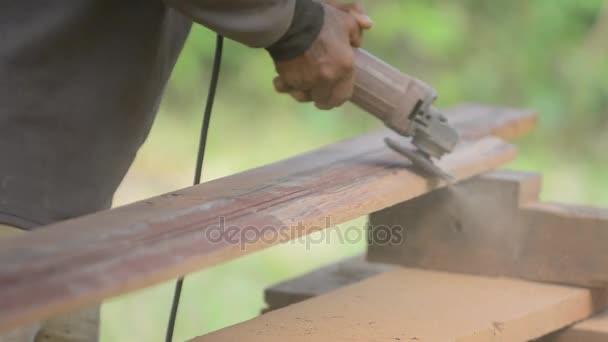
(324, 73)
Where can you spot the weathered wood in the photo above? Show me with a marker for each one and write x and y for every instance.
(321, 281)
(594, 329)
(476, 121)
(494, 225)
(409, 305)
(82, 261)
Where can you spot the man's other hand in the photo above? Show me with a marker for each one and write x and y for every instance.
(325, 72)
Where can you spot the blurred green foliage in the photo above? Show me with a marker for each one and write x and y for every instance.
(549, 55)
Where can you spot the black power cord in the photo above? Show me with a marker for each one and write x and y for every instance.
(217, 62)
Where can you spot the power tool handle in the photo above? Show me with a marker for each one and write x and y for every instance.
(387, 93)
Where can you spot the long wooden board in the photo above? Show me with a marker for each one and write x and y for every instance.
(78, 262)
(417, 305)
(321, 281)
(495, 225)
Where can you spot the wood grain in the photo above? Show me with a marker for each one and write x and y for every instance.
(494, 225)
(82, 261)
(417, 305)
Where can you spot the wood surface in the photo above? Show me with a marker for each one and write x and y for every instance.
(594, 329)
(85, 260)
(332, 277)
(475, 121)
(417, 305)
(494, 225)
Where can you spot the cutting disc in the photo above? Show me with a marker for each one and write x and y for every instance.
(420, 160)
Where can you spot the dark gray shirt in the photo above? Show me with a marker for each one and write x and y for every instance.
(81, 81)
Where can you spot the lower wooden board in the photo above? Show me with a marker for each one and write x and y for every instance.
(85, 260)
(416, 305)
(594, 329)
(321, 281)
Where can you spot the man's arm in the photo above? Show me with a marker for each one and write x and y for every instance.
(310, 42)
(256, 23)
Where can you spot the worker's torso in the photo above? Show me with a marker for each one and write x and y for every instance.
(80, 82)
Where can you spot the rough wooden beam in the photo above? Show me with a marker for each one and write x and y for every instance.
(78, 262)
(494, 225)
(321, 281)
(416, 305)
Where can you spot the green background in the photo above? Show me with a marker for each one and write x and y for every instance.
(548, 55)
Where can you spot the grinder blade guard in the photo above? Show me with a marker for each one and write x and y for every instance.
(432, 138)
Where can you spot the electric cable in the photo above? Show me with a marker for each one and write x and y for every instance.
(217, 62)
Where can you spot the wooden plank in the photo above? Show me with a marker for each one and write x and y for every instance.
(82, 261)
(417, 305)
(321, 281)
(475, 121)
(449, 230)
(594, 329)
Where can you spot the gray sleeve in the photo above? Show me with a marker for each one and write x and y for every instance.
(257, 23)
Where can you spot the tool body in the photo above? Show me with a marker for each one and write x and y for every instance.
(404, 104)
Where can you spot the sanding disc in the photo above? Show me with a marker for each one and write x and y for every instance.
(419, 160)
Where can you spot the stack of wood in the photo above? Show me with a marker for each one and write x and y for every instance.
(481, 260)
(516, 271)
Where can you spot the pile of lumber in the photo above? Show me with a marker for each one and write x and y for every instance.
(518, 270)
(455, 276)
